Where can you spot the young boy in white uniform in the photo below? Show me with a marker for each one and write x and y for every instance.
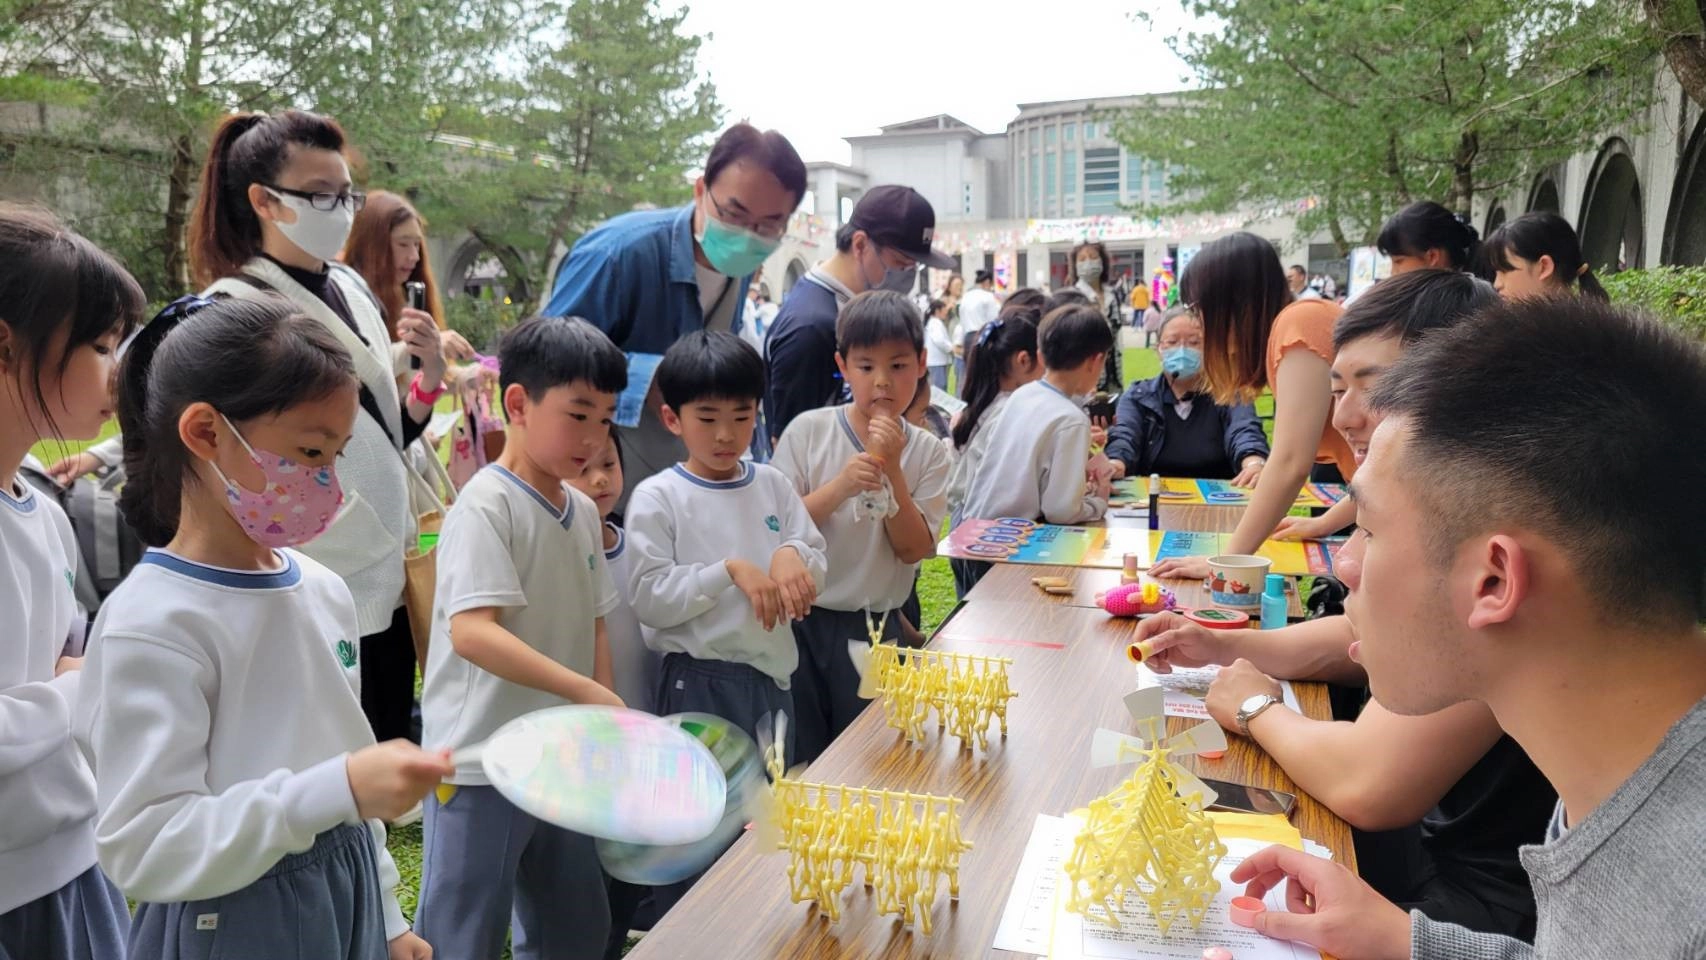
(517, 627)
(877, 487)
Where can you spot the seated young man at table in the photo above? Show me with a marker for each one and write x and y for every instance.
(1036, 465)
(1529, 539)
(1476, 795)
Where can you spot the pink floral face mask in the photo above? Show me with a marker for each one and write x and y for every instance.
(296, 505)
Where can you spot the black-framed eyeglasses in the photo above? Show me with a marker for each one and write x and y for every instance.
(326, 202)
(769, 231)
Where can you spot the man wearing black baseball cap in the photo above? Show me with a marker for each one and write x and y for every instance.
(878, 248)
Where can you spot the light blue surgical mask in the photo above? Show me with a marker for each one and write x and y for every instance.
(1182, 362)
(732, 251)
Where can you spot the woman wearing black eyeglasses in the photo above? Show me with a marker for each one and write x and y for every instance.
(275, 209)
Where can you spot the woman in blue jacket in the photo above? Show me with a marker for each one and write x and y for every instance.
(1164, 425)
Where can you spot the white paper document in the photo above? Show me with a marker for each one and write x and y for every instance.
(1187, 686)
(1138, 938)
(1029, 916)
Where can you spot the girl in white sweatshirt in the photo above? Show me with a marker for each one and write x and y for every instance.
(64, 307)
(241, 794)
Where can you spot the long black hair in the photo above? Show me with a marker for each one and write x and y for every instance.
(52, 279)
(1543, 234)
(1013, 332)
(245, 358)
(1424, 226)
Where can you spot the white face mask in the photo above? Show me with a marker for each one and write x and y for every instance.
(318, 233)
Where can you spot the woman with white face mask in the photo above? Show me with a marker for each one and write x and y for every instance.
(275, 208)
(1092, 273)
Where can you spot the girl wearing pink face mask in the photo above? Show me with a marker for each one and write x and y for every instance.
(235, 773)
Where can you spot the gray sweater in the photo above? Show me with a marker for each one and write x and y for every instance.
(1626, 883)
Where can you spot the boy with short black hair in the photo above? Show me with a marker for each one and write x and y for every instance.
(518, 626)
(878, 488)
(724, 554)
(1036, 465)
(1500, 558)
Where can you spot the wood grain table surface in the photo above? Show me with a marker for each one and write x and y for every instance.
(1070, 671)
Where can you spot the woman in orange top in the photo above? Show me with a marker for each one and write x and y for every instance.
(1256, 335)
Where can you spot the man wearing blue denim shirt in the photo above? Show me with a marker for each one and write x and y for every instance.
(650, 277)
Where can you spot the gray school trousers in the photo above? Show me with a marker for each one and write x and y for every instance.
(487, 864)
(323, 902)
(84, 920)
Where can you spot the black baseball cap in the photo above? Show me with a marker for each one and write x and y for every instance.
(899, 218)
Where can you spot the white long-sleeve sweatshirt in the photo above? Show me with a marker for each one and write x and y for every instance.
(1035, 465)
(47, 796)
(219, 713)
(681, 529)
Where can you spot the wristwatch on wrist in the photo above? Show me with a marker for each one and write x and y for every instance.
(1251, 708)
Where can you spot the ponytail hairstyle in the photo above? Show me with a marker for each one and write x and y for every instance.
(245, 358)
(1013, 332)
(1424, 226)
(247, 148)
(370, 253)
(1543, 234)
(52, 279)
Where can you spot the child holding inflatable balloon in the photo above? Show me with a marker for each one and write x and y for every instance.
(518, 626)
(241, 794)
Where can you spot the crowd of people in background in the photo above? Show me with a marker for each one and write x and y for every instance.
(702, 495)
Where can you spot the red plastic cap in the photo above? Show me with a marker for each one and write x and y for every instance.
(1245, 910)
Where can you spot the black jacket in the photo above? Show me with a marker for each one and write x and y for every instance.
(1140, 425)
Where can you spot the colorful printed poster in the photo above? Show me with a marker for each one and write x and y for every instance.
(1189, 493)
(1013, 540)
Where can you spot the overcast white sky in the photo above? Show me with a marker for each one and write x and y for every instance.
(820, 71)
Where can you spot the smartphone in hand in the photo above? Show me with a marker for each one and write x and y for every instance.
(415, 293)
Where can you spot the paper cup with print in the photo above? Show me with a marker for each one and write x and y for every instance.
(1235, 580)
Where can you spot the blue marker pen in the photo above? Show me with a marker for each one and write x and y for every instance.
(1155, 501)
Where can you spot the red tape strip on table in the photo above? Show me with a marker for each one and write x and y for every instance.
(1044, 644)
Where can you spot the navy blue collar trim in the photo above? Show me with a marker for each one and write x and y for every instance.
(565, 516)
(621, 541)
(747, 473)
(25, 504)
(289, 576)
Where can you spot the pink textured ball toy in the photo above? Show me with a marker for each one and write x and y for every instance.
(1134, 599)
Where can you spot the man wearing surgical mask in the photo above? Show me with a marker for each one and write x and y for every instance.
(650, 277)
(1171, 426)
(880, 247)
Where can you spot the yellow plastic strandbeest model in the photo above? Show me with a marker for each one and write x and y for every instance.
(1148, 837)
(903, 843)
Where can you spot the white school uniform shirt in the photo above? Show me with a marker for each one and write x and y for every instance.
(1035, 464)
(504, 545)
(864, 573)
(966, 463)
(221, 709)
(634, 663)
(938, 348)
(47, 794)
(681, 529)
